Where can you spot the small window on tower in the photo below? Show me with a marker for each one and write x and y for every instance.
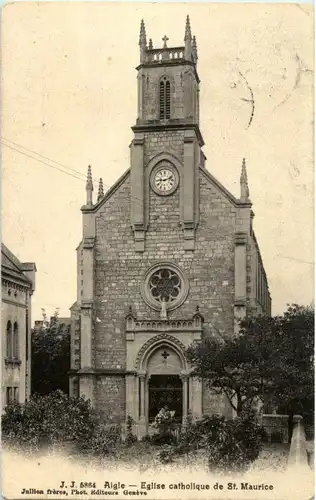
(164, 99)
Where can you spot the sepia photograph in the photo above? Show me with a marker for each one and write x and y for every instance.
(157, 250)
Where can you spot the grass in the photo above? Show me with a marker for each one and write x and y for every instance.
(143, 456)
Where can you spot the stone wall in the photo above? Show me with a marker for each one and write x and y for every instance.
(119, 271)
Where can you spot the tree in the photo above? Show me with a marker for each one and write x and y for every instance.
(270, 359)
(50, 356)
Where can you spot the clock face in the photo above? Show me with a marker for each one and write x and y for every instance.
(164, 180)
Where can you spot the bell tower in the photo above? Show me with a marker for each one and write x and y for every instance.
(167, 130)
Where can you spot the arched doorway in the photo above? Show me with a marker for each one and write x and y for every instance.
(163, 381)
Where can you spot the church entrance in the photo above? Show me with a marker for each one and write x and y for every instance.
(165, 391)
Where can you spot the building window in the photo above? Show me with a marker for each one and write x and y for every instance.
(9, 395)
(164, 282)
(12, 395)
(15, 340)
(164, 99)
(165, 285)
(16, 394)
(9, 339)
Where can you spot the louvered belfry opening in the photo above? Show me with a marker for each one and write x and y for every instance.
(164, 101)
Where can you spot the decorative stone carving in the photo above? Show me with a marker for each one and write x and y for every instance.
(155, 340)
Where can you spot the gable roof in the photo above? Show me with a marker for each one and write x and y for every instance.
(11, 267)
(235, 201)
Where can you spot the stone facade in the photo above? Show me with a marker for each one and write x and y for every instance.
(17, 287)
(122, 337)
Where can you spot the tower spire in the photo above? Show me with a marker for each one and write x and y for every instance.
(101, 190)
(187, 40)
(89, 187)
(142, 41)
(244, 189)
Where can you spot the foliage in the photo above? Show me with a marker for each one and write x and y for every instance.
(50, 356)
(103, 440)
(164, 423)
(231, 445)
(130, 437)
(163, 420)
(270, 359)
(47, 420)
(167, 454)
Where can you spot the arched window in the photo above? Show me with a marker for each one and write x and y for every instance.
(9, 339)
(164, 99)
(15, 340)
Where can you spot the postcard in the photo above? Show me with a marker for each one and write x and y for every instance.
(157, 251)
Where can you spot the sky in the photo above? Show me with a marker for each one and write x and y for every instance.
(69, 99)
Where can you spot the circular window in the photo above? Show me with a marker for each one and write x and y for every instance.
(164, 283)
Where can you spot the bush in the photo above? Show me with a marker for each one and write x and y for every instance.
(164, 423)
(231, 445)
(130, 437)
(46, 420)
(166, 455)
(104, 440)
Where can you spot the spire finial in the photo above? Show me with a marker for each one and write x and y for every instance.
(100, 191)
(188, 41)
(244, 189)
(142, 34)
(89, 186)
(187, 35)
(194, 49)
(142, 42)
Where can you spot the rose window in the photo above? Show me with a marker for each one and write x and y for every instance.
(165, 284)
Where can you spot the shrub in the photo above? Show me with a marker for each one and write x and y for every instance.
(104, 440)
(231, 445)
(46, 420)
(164, 423)
(166, 455)
(130, 437)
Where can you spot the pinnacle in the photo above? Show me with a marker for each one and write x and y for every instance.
(101, 190)
(244, 181)
(89, 183)
(187, 35)
(194, 48)
(142, 34)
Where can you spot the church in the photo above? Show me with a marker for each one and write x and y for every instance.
(168, 256)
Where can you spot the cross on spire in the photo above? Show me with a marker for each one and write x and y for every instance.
(165, 39)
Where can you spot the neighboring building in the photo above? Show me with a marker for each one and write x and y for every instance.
(64, 324)
(17, 287)
(168, 256)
